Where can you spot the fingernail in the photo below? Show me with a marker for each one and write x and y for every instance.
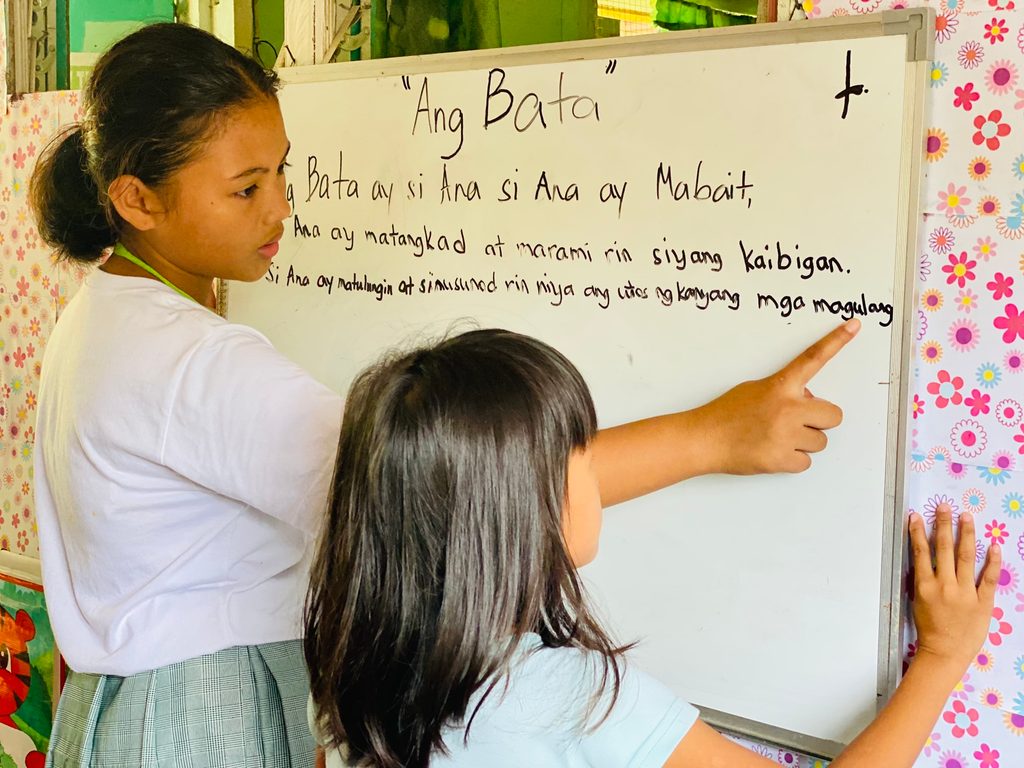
(852, 326)
(914, 517)
(966, 517)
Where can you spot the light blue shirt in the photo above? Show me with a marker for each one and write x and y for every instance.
(539, 719)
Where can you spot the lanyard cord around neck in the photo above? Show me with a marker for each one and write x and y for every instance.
(124, 253)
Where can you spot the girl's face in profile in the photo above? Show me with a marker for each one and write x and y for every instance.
(225, 214)
(581, 516)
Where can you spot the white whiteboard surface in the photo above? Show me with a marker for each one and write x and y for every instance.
(766, 598)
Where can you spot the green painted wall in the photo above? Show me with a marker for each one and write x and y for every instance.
(94, 25)
(269, 28)
(408, 27)
(90, 20)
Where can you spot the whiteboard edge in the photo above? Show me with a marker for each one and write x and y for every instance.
(914, 23)
(21, 567)
(895, 523)
(754, 729)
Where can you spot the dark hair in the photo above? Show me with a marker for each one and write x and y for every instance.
(150, 102)
(444, 542)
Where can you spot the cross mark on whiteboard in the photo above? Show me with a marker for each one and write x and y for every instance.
(849, 90)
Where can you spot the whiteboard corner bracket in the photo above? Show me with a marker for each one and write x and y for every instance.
(918, 24)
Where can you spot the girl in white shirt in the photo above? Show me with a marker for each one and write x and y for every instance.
(447, 625)
(182, 464)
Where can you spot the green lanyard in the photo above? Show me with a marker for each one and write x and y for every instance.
(124, 253)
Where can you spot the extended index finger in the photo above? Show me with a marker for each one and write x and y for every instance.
(804, 366)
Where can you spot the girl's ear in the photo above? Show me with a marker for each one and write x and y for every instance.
(136, 203)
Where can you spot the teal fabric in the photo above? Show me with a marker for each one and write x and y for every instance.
(240, 707)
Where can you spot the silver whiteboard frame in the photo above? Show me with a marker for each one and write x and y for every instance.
(916, 25)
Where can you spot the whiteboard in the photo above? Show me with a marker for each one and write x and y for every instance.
(643, 206)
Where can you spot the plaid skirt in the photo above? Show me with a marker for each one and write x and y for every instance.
(243, 707)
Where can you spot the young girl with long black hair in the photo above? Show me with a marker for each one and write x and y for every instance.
(446, 623)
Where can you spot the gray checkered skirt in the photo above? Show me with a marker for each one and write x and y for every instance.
(243, 707)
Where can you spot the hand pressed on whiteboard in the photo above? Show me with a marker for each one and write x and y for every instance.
(952, 616)
(951, 613)
(774, 424)
(768, 425)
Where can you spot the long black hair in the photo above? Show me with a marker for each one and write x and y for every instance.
(444, 542)
(150, 103)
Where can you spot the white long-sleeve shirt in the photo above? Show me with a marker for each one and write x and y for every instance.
(182, 469)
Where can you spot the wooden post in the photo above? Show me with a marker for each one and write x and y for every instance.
(767, 11)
